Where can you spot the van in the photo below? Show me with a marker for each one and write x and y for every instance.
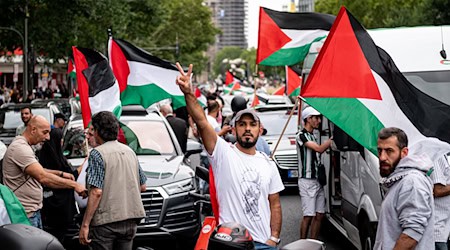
(353, 194)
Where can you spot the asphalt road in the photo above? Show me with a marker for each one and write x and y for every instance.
(292, 214)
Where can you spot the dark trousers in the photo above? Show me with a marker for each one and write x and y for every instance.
(113, 236)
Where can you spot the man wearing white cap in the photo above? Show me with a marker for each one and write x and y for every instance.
(311, 192)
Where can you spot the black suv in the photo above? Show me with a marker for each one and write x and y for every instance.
(171, 215)
(10, 117)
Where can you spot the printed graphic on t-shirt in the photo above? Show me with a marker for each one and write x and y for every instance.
(251, 192)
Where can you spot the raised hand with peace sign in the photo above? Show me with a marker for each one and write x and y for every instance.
(184, 79)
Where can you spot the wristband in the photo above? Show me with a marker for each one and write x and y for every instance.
(275, 239)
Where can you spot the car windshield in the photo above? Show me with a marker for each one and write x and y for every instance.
(274, 123)
(134, 133)
(10, 119)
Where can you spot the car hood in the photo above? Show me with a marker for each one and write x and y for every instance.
(161, 169)
(285, 143)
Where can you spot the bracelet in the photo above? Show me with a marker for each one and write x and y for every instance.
(62, 174)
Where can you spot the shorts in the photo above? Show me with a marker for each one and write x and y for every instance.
(312, 196)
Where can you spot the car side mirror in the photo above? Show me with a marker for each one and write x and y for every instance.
(192, 147)
(202, 173)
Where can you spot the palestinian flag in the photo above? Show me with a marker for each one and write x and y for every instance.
(201, 98)
(255, 101)
(280, 91)
(11, 210)
(285, 38)
(97, 86)
(293, 81)
(71, 69)
(144, 79)
(357, 86)
(231, 79)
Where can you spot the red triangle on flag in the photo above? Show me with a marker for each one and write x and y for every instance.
(198, 93)
(270, 37)
(341, 69)
(70, 66)
(83, 87)
(229, 78)
(293, 80)
(119, 65)
(280, 91)
(255, 101)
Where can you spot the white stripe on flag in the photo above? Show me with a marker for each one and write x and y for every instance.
(144, 74)
(389, 113)
(106, 100)
(302, 37)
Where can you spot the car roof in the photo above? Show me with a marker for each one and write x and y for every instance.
(18, 106)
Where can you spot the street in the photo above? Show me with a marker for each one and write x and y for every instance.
(292, 214)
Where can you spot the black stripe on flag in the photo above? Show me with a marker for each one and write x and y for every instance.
(99, 77)
(136, 54)
(302, 20)
(429, 115)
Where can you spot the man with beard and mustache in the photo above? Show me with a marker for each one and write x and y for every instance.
(311, 192)
(247, 182)
(407, 212)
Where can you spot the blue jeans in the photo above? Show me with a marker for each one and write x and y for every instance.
(262, 246)
(36, 220)
(440, 245)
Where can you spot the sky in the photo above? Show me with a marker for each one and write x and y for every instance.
(253, 16)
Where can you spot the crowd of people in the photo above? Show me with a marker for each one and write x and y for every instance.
(247, 182)
(15, 95)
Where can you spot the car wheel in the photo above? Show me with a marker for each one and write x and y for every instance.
(367, 231)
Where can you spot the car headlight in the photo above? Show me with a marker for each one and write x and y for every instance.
(179, 186)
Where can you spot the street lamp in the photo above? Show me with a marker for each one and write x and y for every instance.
(25, 59)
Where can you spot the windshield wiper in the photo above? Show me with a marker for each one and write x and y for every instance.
(171, 158)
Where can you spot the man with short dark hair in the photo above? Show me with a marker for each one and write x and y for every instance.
(407, 212)
(247, 182)
(25, 115)
(114, 181)
(59, 121)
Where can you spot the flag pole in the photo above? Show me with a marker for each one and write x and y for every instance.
(285, 126)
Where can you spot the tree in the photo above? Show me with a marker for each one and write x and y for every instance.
(56, 25)
(391, 13)
(230, 52)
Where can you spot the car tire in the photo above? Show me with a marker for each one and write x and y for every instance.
(367, 231)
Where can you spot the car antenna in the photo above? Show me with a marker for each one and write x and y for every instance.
(442, 52)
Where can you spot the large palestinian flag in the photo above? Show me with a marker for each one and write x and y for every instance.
(285, 38)
(144, 79)
(357, 86)
(98, 88)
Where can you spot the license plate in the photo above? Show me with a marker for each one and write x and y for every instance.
(292, 173)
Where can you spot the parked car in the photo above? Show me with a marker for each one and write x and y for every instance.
(170, 211)
(10, 117)
(63, 103)
(273, 119)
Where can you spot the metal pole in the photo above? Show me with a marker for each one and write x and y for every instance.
(25, 55)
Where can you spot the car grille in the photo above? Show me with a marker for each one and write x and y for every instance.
(153, 202)
(287, 161)
(179, 218)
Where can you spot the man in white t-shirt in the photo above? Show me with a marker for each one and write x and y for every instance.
(247, 181)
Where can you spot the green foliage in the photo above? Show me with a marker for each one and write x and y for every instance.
(391, 13)
(57, 25)
(230, 53)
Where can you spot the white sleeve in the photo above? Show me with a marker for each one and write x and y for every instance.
(438, 174)
(276, 184)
